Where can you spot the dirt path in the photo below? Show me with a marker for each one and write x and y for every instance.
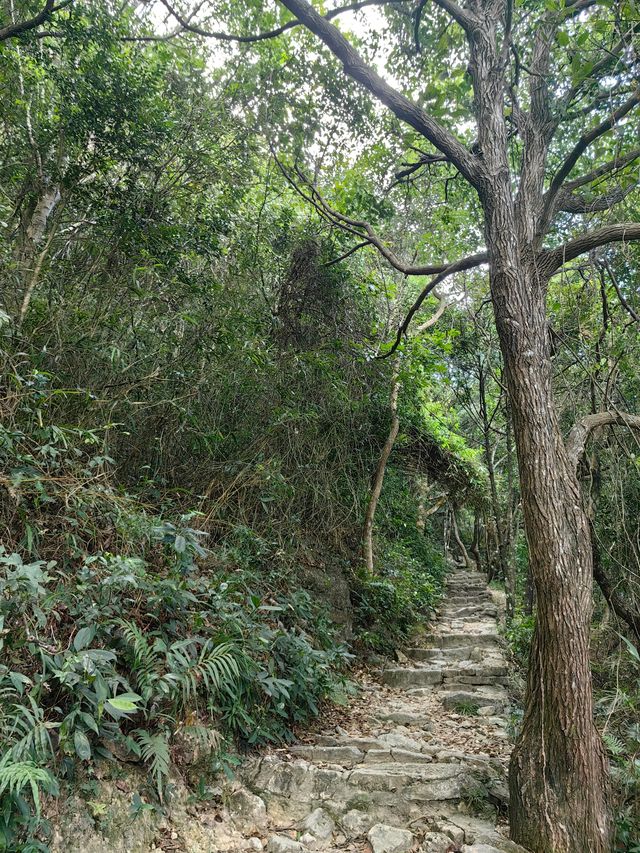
(419, 763)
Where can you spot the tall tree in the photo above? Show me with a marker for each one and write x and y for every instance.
(550, 83)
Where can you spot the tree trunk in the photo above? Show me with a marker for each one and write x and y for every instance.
(458, 540)
(475, 544)
(510, 577)
(378, 477)
(558, 775)
(503, 562)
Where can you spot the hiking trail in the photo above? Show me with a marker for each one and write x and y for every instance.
(421, 758)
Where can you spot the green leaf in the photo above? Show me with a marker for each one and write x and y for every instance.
(82, 745)
(563, 38)
(84, 637)
(125, 702)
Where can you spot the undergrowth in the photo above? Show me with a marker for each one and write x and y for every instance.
(409, 574)
(119, 629)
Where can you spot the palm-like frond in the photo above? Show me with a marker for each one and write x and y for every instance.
(146, 659)
(215, 666)
(154, 750)
(15, 776)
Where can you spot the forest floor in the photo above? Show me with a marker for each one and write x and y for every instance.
(416, 763)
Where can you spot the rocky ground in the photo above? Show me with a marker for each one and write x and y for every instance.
(417, 764)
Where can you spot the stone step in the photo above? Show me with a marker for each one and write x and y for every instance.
(478, 599)
(481, 696)
(461, 639)
(301, 782)
(444, 657)
(406, 678)
(489, 611)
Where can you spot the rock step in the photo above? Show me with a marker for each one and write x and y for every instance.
(406, 678)
(448, 640)
(392, 784)
(445, 657)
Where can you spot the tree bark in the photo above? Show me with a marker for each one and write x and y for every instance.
(558, 774)
(503, 560)
(378, 477)
(458, 539)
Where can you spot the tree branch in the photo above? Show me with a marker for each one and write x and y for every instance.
(459, 15)
(614, 165)
(49, 8)
(361, 229)
(576, 203)
(578, 150)
(582, 429)
(604, 264)
(186, 24)
(551, 259)
(400, 106)
(457, 266)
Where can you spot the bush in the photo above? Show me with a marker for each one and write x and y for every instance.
(409, 574)
(108, 653)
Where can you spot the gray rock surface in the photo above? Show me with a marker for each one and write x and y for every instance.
(389, 839)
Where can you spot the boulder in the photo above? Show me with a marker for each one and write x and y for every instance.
(355, 823)
(247, 811)
(320, 824)
(389, 839)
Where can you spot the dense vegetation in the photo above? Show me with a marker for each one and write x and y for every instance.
(202, 285)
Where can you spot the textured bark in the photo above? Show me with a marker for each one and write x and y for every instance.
(558, 775)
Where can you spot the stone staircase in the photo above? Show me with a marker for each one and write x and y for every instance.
(427, 748)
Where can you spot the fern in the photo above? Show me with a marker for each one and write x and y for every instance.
(15, 776)
(214, 667)
(613, 744)
(154, 750)
(146, 659)
(30, 733)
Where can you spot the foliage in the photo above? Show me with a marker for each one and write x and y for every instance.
(407, 585)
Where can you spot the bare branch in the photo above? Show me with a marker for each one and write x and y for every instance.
(576, 203)
(359, 228)
(611, 166)
(460, 15)
(578, 150)
(400, 106)
(49, 8)
(550, 260)
(188, 26)
(579, 435)
(604, 264)
(433, 319)
(457, 266)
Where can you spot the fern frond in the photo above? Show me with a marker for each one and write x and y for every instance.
(30, 732)
(154, 750)
(15, 776)
(146, 659)
(214, 667)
